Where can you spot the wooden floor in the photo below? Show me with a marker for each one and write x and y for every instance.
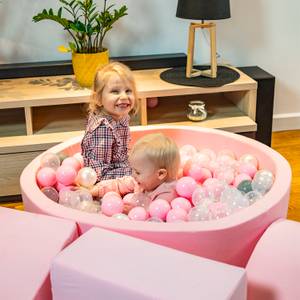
(287, 143)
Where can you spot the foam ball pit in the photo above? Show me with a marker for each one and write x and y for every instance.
(230, 239)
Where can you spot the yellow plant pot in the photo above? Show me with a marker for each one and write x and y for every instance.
(85, 66)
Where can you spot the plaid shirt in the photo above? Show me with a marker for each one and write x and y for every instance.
(104, 146)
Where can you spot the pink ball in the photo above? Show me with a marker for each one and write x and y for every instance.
(159, 208)
(138, 214)
(176, 215)
(46, 177)
(214, 187)
(111, 205)
(185, 187)
(79, 157)
(182, 203)
(225, 174)
(209, 152)
(199, 173)
(59, 186)
(72, 162)
(188, 150)
(129, 199)
(247, 168)
(241, 177)
(66, 175)
(152, 102)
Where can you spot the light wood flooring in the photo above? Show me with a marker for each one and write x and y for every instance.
(287, 143)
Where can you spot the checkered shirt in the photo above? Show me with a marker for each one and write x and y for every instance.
(104, 146)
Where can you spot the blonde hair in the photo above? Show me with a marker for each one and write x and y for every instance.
(161, 150)
(101, 78)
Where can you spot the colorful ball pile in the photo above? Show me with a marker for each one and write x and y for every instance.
(211, 185)
(63, 179)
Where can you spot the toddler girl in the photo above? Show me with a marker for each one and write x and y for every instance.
(105, 143)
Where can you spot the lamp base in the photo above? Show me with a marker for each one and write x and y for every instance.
(178, 76)
(212, 72)
(205, 73)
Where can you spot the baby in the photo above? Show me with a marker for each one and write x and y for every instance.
(154, 160)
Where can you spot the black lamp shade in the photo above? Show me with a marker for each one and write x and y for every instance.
(203, 9)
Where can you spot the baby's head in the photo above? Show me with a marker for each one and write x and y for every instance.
(114, 91)
(154, 159)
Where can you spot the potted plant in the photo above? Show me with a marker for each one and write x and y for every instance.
(87, 27)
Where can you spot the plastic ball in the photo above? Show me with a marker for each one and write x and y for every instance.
(253, 196)
(218, 210)
(68, 198)
(239, 178)
(66, 175)
(182, 203)
(214, 187)
(159, 208)
(51, 193)
(262, 181)
(188, 150)
(112, 205)
(199, 194)
(199, 173)
(185, 187)
(152, 102)
(234, 199)
(226, 152)
(86, 177)
(154, 220)
(201, 213)
(176, 215)
(245, 186)
(138, 214)
(249, 158)
(50, 160)
(225, 174)
(72, 162)
(84, 195)
(209, 152)
(201, 159)
(247, 168)
(120, 216)
(46, 177)
(79, 157)
(89, 206)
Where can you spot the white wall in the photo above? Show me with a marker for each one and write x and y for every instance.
(260, 32)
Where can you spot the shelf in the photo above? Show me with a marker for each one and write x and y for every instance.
(222, 113)
(12, 122)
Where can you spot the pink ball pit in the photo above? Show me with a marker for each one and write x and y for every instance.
(231, 239)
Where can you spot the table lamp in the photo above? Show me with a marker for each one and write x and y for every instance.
(202, 10)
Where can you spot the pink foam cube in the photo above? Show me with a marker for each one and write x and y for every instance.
(108, 265)
(28, 243)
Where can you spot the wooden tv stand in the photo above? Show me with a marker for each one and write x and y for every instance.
(37, 113)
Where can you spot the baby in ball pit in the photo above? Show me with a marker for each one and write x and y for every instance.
(154, 160)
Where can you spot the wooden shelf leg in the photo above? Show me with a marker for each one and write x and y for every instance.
(28, 120)
(143, 111)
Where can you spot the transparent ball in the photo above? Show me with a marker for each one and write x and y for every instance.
(51, 193)
(263, 181)
(50, 160)
(200, 213)
(253, 196)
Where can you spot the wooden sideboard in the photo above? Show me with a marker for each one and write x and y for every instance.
(39, 112)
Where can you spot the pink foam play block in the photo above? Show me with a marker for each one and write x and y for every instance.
(106, 265)
(28, 243)
(274, 267)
